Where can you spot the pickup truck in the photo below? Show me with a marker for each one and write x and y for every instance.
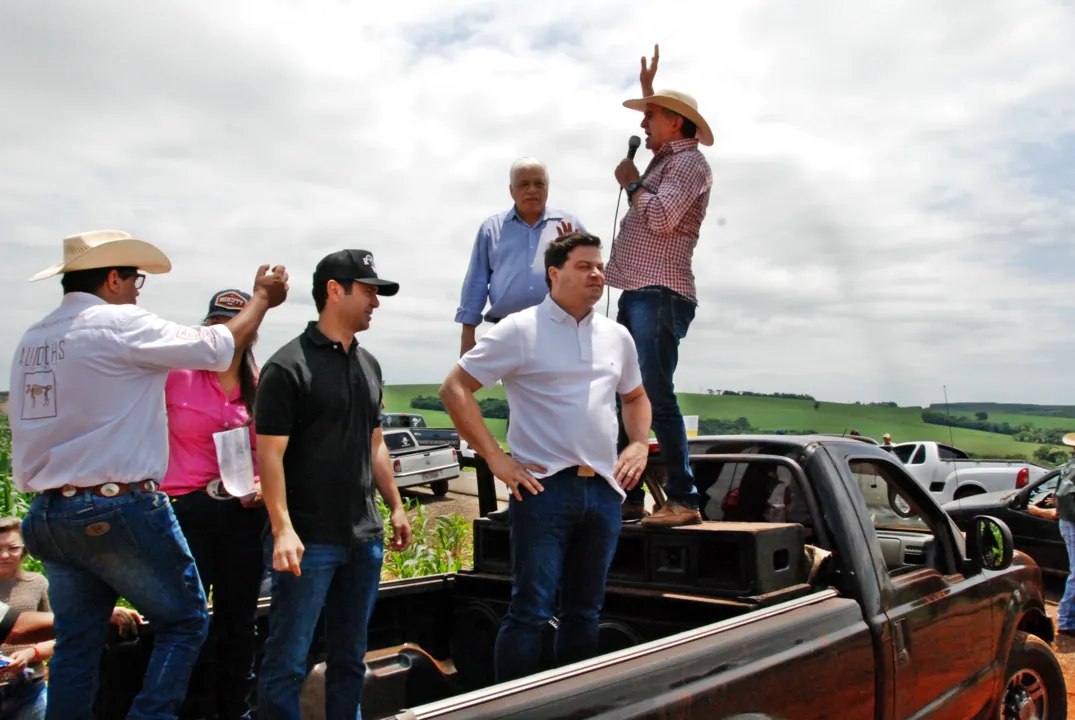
(950, 474)
(424, 434)
(810, 598)
(417, 464)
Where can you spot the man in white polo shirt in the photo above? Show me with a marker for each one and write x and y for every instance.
(562, 366)
(90, 436)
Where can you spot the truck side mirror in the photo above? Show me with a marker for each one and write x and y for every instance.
(989, 543)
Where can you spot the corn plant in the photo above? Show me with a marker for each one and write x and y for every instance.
(439, 544)
(12, 502)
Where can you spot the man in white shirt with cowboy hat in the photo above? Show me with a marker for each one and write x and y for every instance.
(650, 262)
(89, 436)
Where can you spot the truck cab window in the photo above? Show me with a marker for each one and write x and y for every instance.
(903, 452)
(752, 492)
(919, 456)
(946, 452)
(1044, 491)
(908, 537)
(398, 441)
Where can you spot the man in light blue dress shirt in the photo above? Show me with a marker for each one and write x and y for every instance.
(507, 264)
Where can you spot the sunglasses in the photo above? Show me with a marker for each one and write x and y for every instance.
(140, 278)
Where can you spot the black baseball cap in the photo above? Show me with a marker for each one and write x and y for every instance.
(352, 265)
(227, 303)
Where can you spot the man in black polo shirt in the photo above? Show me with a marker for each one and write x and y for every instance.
(320, 453)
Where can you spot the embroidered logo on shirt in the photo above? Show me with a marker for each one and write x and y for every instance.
(40, 399)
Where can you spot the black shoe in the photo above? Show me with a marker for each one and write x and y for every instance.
(501, 516)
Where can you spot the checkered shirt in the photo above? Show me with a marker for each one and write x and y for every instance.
(657, 236)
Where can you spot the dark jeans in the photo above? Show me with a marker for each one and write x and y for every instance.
(658, 319)
(94, 550)
(343, 580)
(562, 540)
(226, 541)
(23, 699)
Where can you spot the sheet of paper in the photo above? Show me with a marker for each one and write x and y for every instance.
(236, 461)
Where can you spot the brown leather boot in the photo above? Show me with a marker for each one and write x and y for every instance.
(632, 512)
(673, 516)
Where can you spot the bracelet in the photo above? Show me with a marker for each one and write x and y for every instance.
(37, 654)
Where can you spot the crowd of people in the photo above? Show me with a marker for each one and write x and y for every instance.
(167, 466)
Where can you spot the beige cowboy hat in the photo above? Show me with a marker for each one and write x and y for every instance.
(1069, 439)
(677, 102)
(103, 249)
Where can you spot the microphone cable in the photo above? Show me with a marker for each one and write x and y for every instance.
(632, 148)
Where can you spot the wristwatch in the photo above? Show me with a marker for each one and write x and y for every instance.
(633, 188)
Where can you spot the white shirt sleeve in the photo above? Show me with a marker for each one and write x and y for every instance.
(631, 376)
(497, 355)
(153, 342)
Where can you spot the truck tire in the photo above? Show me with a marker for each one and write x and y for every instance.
(1034, 681)
(440, 488)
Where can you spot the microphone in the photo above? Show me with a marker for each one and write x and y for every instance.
(632, 146)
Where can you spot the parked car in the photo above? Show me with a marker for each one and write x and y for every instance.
(416, 464)
(1036, 536)
(424, 434)
(812, 599)
(951, 474)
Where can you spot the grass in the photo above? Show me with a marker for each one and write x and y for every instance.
(904, 423)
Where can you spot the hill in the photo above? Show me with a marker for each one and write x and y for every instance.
(771, 414)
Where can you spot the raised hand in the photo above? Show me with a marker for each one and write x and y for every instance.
(272, 284)
(564, 227)
(648, 73)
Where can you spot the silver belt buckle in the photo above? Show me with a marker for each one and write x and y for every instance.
(69, 491)
(215, 489)
(110, 489)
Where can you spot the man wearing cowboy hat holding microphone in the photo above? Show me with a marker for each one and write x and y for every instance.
(89, 436)
(1064, 511)
(651, 263)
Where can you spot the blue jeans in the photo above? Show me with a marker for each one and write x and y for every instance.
(23, 699)
(1065, 614)
(658, 319)
(342, 580)
(562, 540)
(95, 550)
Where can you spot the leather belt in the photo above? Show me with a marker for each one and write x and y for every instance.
(108, 489)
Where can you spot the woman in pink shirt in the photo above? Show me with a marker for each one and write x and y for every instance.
(223, 532)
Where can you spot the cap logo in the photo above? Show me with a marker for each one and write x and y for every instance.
(367, 259)
(230, 300)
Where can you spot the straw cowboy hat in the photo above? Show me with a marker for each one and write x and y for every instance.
(1069, 439)
(680, 103)
(105, 249)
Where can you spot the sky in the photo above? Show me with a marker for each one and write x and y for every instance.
(892, 210)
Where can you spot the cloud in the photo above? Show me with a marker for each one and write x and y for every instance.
(892, 208)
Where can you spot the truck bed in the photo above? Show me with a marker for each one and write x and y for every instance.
(431, 639)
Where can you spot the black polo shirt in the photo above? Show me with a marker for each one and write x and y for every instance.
(327, 400)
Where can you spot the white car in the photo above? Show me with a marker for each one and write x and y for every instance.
(414, 464)
(950, 474)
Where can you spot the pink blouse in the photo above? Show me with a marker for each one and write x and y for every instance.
(197, 408)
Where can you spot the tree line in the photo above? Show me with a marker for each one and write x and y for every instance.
(491, 407)
(1022, 433)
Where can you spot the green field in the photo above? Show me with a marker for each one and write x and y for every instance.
(905, 423)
